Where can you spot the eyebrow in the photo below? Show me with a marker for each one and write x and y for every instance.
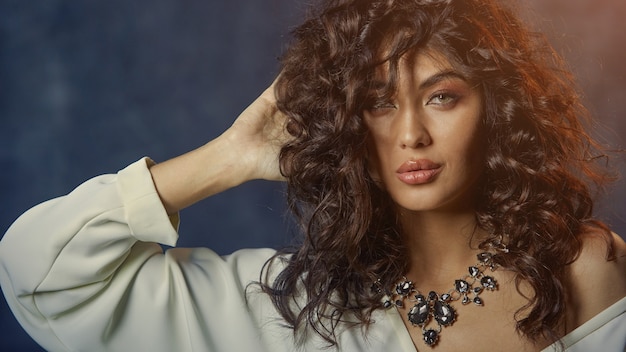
(441, 76)
(429, 82)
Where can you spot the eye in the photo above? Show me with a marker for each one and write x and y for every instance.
(444, 99)
(380, 108)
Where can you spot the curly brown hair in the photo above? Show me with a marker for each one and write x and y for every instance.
(540, 171)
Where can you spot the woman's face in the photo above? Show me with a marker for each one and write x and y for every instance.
(425, 145)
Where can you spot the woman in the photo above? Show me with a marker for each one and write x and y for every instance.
(418, 139)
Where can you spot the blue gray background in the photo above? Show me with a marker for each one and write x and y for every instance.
(87, 87)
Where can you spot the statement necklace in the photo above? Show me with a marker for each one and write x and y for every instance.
(438, 307)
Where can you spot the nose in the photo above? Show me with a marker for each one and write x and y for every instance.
(412, 131)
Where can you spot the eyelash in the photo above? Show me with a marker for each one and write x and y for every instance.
(450, 98)
(382, 105)
(446, 99)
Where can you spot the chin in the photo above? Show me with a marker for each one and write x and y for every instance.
(431, 203)
(417, 205)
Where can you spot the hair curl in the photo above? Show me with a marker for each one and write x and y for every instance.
(536, 190)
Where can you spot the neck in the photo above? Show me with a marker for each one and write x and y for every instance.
(441, 245)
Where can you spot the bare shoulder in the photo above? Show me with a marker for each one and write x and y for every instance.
(595, 282)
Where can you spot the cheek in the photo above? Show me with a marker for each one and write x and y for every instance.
(373, 162)
(378, 158)
(473, 150)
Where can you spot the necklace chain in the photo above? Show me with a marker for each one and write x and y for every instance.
(438, 307)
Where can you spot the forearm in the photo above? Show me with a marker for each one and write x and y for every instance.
(248, 150)
(191, 177)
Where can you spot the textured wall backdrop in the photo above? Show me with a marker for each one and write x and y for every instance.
(87, 87)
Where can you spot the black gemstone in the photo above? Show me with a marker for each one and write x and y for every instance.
(473, 271)
(488, 282)
(465, 300)
(419, 314)
(387, 303)
(478, 301)
(444, 313)
(446, 297)
(404, 288)
(432, 295)
(420, 298)
(484, 257)
(461, 286)
(477, 290)
(430, 337)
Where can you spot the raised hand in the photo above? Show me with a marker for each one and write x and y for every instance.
(257, 136)
(247, 150)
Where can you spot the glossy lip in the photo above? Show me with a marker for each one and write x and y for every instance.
(417, 172)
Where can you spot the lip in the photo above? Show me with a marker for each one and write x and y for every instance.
(416, 172)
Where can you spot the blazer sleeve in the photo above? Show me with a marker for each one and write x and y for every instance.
(86, 272)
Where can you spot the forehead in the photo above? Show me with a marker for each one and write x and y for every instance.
(415, 65)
